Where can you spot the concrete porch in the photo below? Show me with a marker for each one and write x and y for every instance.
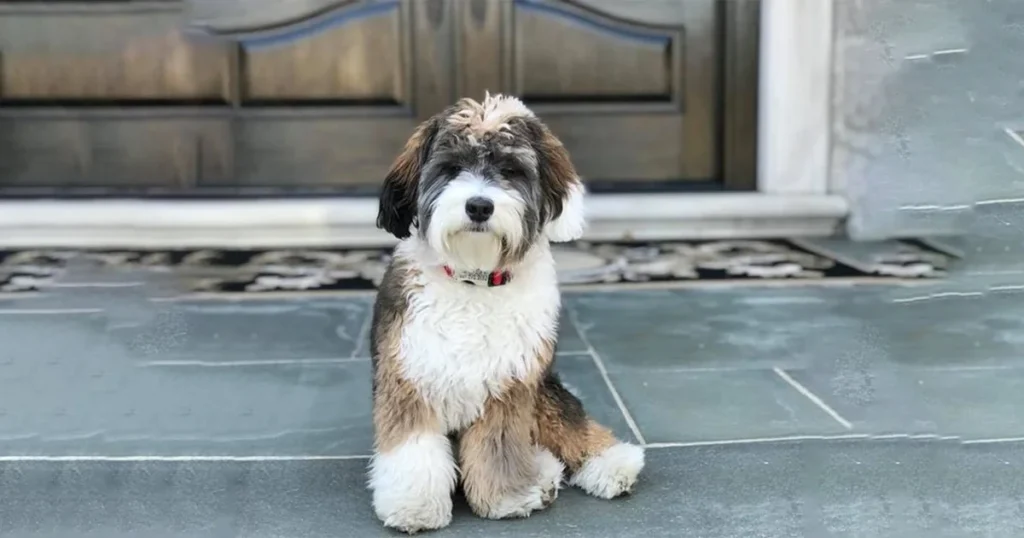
(779, 411)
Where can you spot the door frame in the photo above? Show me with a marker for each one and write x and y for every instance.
(793, 196)
(795, 96)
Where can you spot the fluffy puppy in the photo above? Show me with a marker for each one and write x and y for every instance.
(465, 326)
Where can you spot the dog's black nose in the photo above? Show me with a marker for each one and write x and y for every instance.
(479, 208)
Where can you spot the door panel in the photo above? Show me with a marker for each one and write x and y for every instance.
(358, 61)
(79, 53)
(622, 147)
(109, 152)
(292, 152)
(594, 61)
(634, 94)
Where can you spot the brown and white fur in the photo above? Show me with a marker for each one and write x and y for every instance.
(463, 387)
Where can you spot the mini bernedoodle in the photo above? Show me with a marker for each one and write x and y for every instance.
(466, 322)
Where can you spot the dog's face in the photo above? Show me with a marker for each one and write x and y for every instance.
(481, 183)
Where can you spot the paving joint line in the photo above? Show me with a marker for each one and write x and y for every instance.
(180, 459)
(268, 362)
(604, 375)
(47, 311)
(812, 397)
(653, 446)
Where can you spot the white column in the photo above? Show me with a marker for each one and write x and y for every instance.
(795, 96)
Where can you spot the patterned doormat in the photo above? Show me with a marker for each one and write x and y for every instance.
(256, 271)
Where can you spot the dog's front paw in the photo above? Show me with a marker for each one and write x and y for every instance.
(612, 472)
(411, 515)
(412, 484)
(536, 497)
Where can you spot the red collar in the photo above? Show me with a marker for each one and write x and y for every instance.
(479, 278)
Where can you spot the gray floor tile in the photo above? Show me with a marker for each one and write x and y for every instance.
(362, 345)
(865, 489)
(248, 330)
(993, 243)
(569, 340)
(32, 342)
(908, 488)
(929, 328)
(82, 408)
(875, 398)
(668, 330)
(974, 404)
(802, 327)
(967, 403)
(672, 407)
(580, 375)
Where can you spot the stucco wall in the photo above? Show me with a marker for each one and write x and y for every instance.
(923, 93)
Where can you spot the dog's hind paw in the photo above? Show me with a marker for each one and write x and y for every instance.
(549, 474)
(536, 497)
(611, 473)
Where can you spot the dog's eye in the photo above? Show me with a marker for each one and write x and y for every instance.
(508, 171)
(450, 170)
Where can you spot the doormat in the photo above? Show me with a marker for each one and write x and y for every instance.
(260, 271)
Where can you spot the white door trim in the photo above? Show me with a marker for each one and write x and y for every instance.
(795, 96)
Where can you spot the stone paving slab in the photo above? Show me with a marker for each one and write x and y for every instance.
(802, 326)
(811, 488)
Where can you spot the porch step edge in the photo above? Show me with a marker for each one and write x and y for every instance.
(351, 221)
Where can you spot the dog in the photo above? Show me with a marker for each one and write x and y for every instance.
(465, 325)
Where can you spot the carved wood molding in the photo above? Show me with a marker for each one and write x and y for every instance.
(266, 22)
(280, 19)
(595, 16)
(653, 14)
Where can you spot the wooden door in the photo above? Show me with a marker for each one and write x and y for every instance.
(117, 97)
(320, 95)
(632, 88)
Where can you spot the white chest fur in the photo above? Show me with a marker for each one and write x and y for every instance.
(462, 344)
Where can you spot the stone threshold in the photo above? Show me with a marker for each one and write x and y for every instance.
(350, 222)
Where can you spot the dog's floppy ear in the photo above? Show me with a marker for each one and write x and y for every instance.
(398, 195)
(563, 190)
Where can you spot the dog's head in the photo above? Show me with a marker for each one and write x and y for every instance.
(481, 183)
